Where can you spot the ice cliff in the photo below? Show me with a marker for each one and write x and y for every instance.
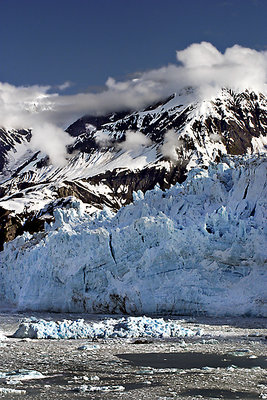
(198, 247)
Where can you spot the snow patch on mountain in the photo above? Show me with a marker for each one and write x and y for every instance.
(199, 247)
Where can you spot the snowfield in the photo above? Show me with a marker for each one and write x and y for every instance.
(197, 248)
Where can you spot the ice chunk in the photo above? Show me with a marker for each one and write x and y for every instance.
(89, 347)
(89, 388)
(15, 377)
(129, 327)
(12, 391)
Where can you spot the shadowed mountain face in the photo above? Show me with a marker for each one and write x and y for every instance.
(9, 141)
(236, 117)
(117, 154)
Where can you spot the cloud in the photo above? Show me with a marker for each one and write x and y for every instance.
(170, 145)
(199, 55)
(134, 140)
(28, 108)
(65, 85)
(200, 66)
(102, 139)
(239, 68)
(52, 140)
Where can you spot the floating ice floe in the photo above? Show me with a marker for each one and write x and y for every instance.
(89, 388)
(14, 377)
(12, 391)
(127, 327)
(89, 347)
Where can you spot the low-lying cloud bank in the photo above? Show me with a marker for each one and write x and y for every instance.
(200, 66)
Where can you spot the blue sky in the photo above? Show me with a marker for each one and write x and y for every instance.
(86, 41)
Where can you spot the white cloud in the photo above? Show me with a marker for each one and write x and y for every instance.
(134, 141)
(102, 139)
(170, 145)
(199, 55)
(51, 140)
(239, 68)
(64, 85)
(200, 66)
(29, 108)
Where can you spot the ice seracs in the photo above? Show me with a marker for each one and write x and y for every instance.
(196, 248)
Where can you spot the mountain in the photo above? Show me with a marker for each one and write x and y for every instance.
(168, 200)
(110, 158)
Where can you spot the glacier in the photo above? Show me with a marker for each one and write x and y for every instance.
(196, 248)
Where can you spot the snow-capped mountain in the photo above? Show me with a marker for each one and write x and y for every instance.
(170, 200)
(114, 155)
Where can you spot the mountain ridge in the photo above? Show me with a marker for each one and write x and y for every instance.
(114, 155)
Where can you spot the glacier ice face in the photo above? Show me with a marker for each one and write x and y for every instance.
(199, 247)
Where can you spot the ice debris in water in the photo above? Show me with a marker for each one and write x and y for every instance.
(19, 375)
(12, 391)
(89, 388)
(89, 347)
(126, 327)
